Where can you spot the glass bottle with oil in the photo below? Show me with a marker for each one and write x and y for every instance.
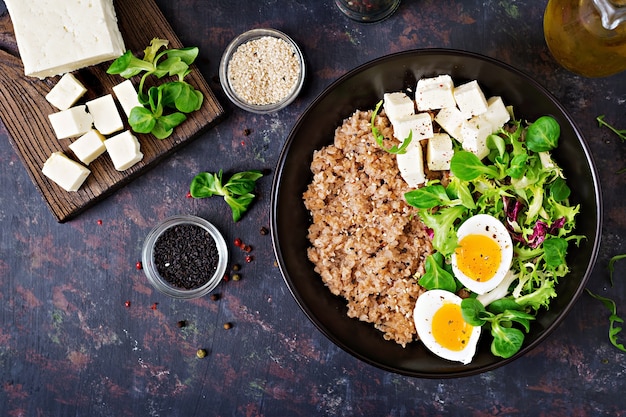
(587, 37)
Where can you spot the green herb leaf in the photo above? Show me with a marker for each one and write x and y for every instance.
(555, 251)
(467, 167)
(435, 277)
(507, 341)
(543, 134)
(612, 265)
(621, 133)
(614, 320)
(473, 311)
(427, 197)
(236, 191)
(559, 190)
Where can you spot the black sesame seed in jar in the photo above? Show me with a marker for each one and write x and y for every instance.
(186, 256)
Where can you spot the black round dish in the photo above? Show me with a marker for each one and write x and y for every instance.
(362, 88)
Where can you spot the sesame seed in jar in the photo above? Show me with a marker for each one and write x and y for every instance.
(264, 71)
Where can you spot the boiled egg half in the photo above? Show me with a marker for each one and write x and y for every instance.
(484, 253)
(441, 327)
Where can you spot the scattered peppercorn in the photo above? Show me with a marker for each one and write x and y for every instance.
(263, 231)
(247, 248)
(238, 242)
(127, 304)
(249, 258)
(226, 278)
(188, 195)
(236, 277)
(236, 267)
(215, 297)
(99, 222)
(181, 323)
(228, 326)
(154, 306)
(139, 265)
(247, 132)
(201, 353)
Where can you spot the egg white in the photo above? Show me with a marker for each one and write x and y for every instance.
(486, 225)
(426, 306)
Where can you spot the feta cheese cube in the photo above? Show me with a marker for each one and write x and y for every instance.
(59, 36)
(497, 113)
(451, 119)
(439, 152)
(124, 150)
(66, 92)
(88, 147)
(470, 99)
(421, 124)
(127, 96)
(106, 118)
(411, 165)
(397, 105)
(435, 93)
(68, 174)
(474, 134)
(71, 123)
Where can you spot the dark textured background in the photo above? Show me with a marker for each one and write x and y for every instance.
(70, 347)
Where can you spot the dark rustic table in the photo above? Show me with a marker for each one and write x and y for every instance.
(70, 346)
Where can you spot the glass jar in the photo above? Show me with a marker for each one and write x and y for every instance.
(191, 249)
(587, 37)
(367, 11)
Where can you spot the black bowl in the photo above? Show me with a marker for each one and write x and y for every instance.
(362, 88)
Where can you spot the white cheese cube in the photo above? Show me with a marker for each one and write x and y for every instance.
(88, 147)
(421, 124)
(474, 134)
(470, 99)
(451, 119)
(71, 123)
(397, 105)
(435, 93)
(497, 113)
(59, 36)
(439, 152)
(106, 118)
(411, 165)
(66, 92)
(68, 174)
(124, 150)
(127, 96)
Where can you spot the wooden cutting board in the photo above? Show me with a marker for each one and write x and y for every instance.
(24, 111)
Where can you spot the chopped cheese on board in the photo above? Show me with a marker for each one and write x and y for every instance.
(68, 174)
(59, 36)
(124, 150)
(66, 92)
(106, 118)
(88, 147)
(72, 122)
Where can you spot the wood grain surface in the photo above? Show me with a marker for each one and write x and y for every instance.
(25, 111)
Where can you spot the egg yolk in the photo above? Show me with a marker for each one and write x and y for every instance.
(450, 330)
(478, 257)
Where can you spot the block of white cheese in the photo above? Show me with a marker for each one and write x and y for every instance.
(68, 174)
(124, 150)
(439, 152)
(420, 124)
(435, 93)
(88, 147)
(470, 99)
(397, 105)
(497, 113)
(411, 165)
(474, 134)
(71, 123)
(451, 119)
(59, 36)
(127, 96)
(106, 118)
(66, 92)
